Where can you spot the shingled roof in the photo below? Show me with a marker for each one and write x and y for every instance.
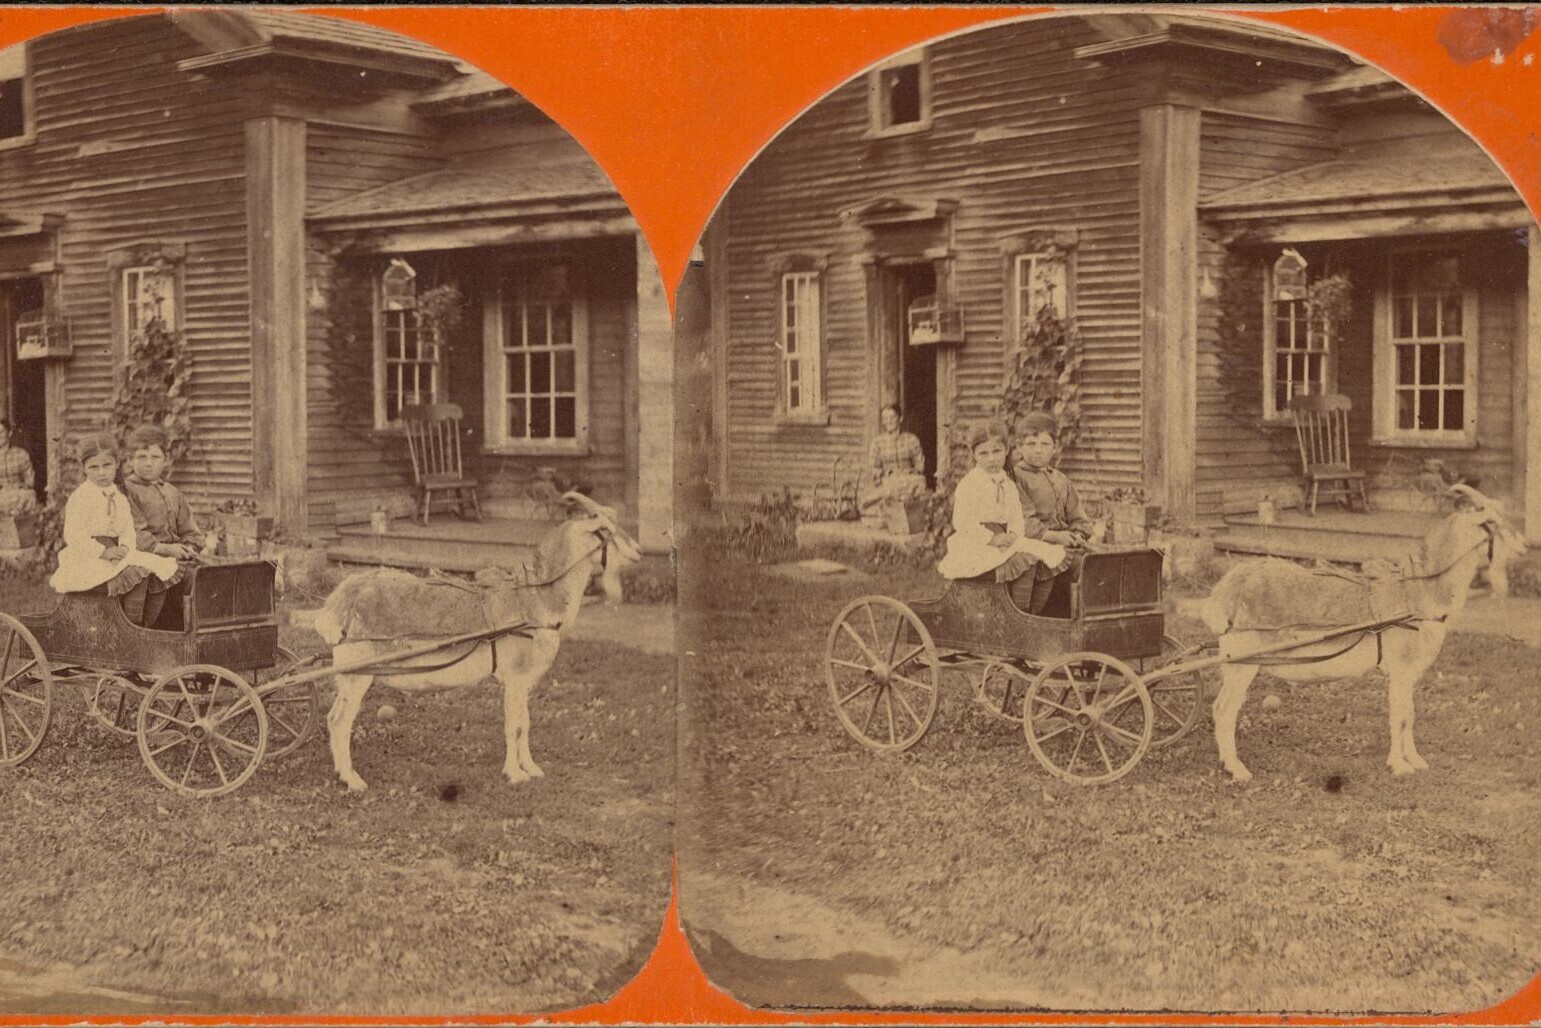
(1348, 178)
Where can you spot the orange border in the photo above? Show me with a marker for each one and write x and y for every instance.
(674, 101)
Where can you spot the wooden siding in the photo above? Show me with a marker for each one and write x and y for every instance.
(1026, 138)
(130, 150)
(1231, 459)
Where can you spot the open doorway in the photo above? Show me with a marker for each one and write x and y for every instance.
(26, 403)
(915, 366)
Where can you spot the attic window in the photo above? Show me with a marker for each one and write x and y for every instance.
(13, 93)
(899, 93)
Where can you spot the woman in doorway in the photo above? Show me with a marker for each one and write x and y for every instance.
(896, 470)
(18, 492)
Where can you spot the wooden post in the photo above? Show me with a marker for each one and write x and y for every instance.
(716, 253)
(1532, 409)
(654, 404)
(1169, 180)
(275, 245)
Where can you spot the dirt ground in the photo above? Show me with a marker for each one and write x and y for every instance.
(442, 889)
(960, 874)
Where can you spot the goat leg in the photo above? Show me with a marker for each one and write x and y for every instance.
(339, 724)
(1235, 679)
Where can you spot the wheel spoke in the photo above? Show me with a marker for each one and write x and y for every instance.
(1122, 733)
(1076, 752)
(888, 703)
(876, 698)
(22, 724)
(868, 684)
(192, 759)
(241, 706)
(180, 740)
(1103, 750)
(230, 744)
(10, 645)
(16, 694)
(893, 642)
(1063, 727)
(1057, 706)
(28, 666)
(218, 767)
(872, 623)
(1160, 708)
(1129, 692)
(833, 660)
(912, 682)
(917, 651)
(275, 719)
(906, 705)
(5, 736)
(846, 626)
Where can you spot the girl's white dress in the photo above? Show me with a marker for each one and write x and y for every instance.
(91, 512)
(984, 499)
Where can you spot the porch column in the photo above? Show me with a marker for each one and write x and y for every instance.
(1169, 192)
(275, 246)
(1531, 409)
(652, 456)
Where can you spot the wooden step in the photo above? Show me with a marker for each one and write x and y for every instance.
(1303, 544)
(448, 544)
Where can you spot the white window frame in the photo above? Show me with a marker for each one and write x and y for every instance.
(388, 366)
(131, 295)
(28, 108)
(1026, 287)
(1328, 379)
(878, 122)
(1386, 344)
(496, 353)
(800, 343)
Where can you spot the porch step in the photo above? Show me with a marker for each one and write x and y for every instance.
(1307, 544)
(446, 543)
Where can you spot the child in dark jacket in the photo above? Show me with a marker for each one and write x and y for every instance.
(1051, 508)
(163, 519)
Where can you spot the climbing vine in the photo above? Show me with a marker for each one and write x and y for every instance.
(1045, 376)
(152, 388)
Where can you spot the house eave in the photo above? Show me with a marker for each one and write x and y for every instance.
(1211, 41)
(1367, 218)
(523, 210)
(18, 224)
(314, 54)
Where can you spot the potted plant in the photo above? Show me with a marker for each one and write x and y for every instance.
(1130, 516)
(241, 530)
(18, 519)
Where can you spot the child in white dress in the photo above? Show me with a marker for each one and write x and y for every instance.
(987, 518)
(99, 536)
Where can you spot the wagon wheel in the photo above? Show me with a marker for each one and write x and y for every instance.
(26, 692)
(1176, 698)
(202, 730)
(1001, 689)
(293, 709)
(115, 702)
(1089, 718)
(883, 673)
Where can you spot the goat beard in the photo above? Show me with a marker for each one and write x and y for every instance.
(610, 581)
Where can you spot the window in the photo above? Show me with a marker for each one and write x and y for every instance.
(538, 386)
(1426, 353)
(15, 98)
(1039, 280)
(1298, 349)
(408, 360)
(149, 294)
(801, 342)
(899, 94)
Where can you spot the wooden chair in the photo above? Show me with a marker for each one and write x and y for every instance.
(1321, 428)
(433, 439)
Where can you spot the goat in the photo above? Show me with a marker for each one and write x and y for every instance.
(1267, 604)
(373, 613)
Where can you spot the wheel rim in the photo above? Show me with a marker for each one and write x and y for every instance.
(26, 693)
(202, 730)
(1001, 689)
(115, 703)
(882, 671)
(293, 711)
(1176, 699)
(1089, 718)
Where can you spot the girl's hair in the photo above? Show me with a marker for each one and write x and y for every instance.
(146, 436)
(893, 407)
(95, 444)
(985, 431)
(1037, 423)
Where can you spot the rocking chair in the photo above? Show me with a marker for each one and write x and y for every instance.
(1321, 428)
(433, 439)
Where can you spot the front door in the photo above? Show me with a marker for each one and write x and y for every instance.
(23, 392)
(914, 384)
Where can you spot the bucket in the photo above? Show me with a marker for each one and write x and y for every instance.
(379, 522)
(1266, 511)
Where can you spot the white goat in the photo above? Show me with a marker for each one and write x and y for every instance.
(373, 613)
(1265, 604)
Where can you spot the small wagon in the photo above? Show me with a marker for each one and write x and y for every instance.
(1094, 680)
(206, 700)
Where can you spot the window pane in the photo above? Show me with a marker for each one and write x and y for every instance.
(513, 327)
(561, 325)
(566, 371)
(1404, 409)
(1455, 409)
(1402, 317)
(567, 418)
(1427, 323)
(901, 87)
(517, 382)
(540, 417)
(540, 372)
(1455, 363)
(517, 426)
(1428, 409)
(1450, 321)
(794, 398)
(1405, 374)
(1428, 364)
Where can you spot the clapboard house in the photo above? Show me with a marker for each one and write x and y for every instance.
(292, 193)
(1149, 176)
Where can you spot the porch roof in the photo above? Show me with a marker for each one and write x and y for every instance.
(1362, 196)
(529, 191)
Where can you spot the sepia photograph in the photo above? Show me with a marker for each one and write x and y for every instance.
(330, 362)
(1107, 430)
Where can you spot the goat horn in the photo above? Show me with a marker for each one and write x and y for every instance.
(591, 505)
(1462, 489)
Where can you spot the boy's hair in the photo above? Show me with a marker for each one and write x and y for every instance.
(94, 444)
(146, 436)
(987, 430)
(1037, 423)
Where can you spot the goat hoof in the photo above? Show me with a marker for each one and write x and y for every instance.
(515, 776)
(533, 770)
(1240, 775)
(354, 783)
(1402, 769)
(1418, 763)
